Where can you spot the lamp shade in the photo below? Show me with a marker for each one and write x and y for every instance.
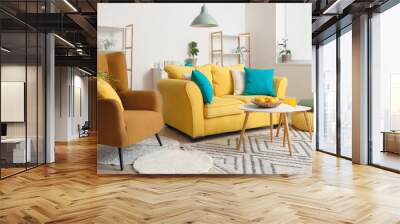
(204, 19)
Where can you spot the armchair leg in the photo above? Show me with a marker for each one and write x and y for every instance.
(158, 139)
(121, 162)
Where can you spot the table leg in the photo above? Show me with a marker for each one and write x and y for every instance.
(271, 128)
(284, 131)
(243, 130)
(288, 134)
(279, 125)
(308, 124)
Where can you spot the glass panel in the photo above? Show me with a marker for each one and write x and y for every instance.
(346, 94)
(327, 97)
(31, 98)
(385, 84)
(41, 98)
(13, 87)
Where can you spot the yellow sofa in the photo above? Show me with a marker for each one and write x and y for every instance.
(184, 110)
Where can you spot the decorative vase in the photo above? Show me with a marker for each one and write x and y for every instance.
(286, 57)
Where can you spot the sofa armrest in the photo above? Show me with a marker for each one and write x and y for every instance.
(111, 129)
(280, 86)
(183, 106)
(141, 100)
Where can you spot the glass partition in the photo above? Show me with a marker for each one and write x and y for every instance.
(327, 97)
(22, 77)
(385, 90)
(346, 94)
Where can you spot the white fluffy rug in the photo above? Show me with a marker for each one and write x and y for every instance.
(109, 155)
(174, 161)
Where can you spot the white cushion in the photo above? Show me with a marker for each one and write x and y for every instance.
(187, 76)
(238, 82)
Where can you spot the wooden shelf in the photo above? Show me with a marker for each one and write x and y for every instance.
(220, 53)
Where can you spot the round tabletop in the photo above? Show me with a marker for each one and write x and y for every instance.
(282, 108)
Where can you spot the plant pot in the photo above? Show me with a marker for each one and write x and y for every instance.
(191, 62)
(286, 57)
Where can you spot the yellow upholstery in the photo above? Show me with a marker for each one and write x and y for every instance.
(183, 106)
(184, 110)
(243, 98)
(106, 91)
(116, 63)
(299, 121)
(222, 79)
(206, 70)
(178, 71)
(126, 117)
(221, 107)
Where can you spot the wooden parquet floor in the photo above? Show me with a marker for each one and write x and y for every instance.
(70, 191)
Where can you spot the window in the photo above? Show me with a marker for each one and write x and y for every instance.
(327, 97)
(385, 89)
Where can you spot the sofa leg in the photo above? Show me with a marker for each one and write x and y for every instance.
(158, 139)
(121, 162)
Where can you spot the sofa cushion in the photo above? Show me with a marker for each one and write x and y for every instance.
(177, 71)
(205, 86)
(243, 98)
(222, 78)
(184, 72)
(222, 107)
(259, 82)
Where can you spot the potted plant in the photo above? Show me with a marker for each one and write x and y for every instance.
(193, 51)
(284, 53)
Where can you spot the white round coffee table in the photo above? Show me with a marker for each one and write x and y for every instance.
(283, 110)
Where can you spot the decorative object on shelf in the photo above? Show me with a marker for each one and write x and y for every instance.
(284, 53)
(192, 51)
(241, 50)
(204, 20)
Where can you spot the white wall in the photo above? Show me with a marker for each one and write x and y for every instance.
(293, 23)
(261, 23)
(69, 82)
(162, 31)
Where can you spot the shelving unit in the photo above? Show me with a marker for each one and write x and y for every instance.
(121, 39)
(242, 40)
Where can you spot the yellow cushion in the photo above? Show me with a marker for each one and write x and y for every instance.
(222, 107)
(178, 71)
(222, 78)
(106, 91)
(206, 70)
(299, 121)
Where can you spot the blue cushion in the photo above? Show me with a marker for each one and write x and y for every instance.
(259, 82)
(205, 86)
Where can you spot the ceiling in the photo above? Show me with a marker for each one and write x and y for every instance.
(76, 21)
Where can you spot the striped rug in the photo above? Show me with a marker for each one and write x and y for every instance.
(258, 155)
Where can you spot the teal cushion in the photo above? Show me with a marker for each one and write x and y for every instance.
(259, 82)
(205, 86)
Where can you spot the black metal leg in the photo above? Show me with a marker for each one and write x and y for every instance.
(121, 162)
(158, 139)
